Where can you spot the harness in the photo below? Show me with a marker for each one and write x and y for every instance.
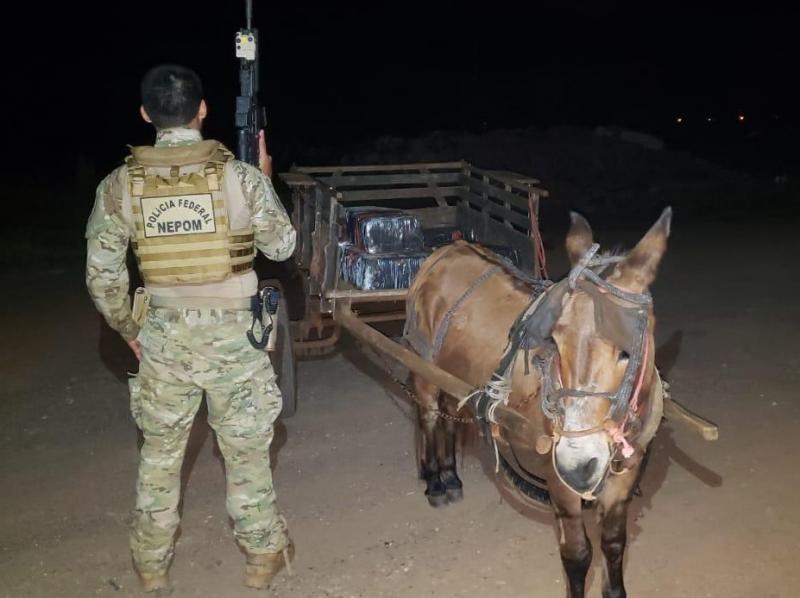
(420, 344)
(444, 326)
(622, 320)
(626, 327)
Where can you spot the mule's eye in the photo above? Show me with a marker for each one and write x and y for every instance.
(623, 356)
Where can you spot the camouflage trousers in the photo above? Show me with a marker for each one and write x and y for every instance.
(186, 353)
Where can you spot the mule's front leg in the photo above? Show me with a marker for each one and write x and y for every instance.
(428, 396)
(576, 550)
(613, 513)
(613, 544)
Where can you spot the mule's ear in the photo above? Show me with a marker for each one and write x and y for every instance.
(579, 238)
(638, 271)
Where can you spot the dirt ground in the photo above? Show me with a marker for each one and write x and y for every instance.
(716, 519)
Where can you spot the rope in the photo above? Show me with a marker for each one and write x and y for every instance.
(589, 262)
(499, 388)
(475, 393)
(536, 236)
(582, 264)
(590, 494)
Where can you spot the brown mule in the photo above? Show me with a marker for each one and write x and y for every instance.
(583, 375)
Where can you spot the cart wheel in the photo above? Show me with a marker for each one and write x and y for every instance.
(284, 363)
(282, 357)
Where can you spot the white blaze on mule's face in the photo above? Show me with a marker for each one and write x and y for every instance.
(582, 461)
(587, 363)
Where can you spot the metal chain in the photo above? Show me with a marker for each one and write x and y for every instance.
(413, 396)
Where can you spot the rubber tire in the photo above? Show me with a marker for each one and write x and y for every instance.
(283, 361)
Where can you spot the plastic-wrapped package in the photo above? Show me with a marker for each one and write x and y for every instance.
(383, 230)
(370, 272)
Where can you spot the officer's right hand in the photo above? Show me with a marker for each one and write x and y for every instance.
(136, 348)
(264, 159)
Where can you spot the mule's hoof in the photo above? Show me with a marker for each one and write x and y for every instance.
(455, 494)
(436, 492)
(437, 500)
(452, 485)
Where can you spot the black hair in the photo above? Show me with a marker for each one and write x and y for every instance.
(171, 95)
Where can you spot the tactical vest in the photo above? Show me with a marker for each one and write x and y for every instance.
(180, 215)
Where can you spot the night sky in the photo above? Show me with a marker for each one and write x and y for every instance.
(343, 74)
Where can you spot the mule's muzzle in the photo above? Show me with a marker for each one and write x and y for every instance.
(582, 479)
(581, 463)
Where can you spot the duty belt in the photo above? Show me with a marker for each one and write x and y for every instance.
(263, 305)
(234, 303)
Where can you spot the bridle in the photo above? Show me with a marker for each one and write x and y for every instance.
(622, 420)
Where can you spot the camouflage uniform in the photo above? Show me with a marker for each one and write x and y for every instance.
(186, 352)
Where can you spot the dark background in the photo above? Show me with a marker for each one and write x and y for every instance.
(339, 76)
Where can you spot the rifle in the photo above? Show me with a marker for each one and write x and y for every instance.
(251, 116)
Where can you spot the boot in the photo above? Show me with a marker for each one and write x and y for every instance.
(261, 568)
(152, 581)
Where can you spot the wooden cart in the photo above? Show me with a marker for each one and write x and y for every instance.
(493, 206)
(497, 208)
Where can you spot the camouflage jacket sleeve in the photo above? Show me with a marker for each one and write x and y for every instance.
(275, 235)
(107, 239)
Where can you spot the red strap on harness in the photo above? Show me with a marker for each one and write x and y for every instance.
(617, 433)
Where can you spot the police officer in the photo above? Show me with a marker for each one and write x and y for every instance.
(194, 217)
